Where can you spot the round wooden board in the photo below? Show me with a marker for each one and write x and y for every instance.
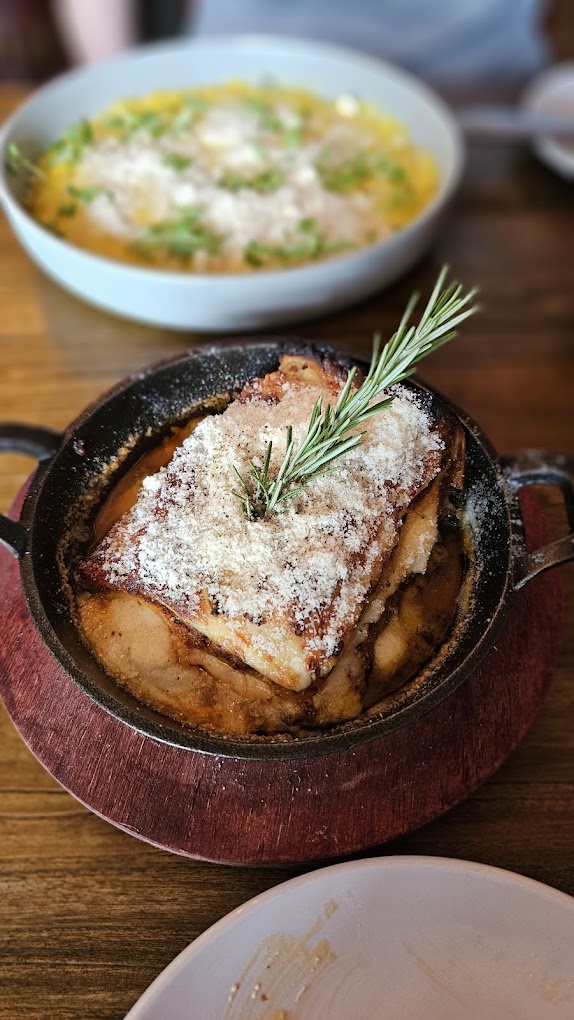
(253, 812)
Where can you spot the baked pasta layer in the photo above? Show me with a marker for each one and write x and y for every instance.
(282, 614)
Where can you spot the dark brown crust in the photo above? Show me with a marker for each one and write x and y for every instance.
(298, 370)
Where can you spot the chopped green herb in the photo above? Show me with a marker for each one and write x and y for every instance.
(259, 149)
(182, 120)
(128, 122)
(19, 164)
(190, 210)
(290, 135)
(266, 115)
(115, 123)
(189, 113)
(394, 172)
(303, 244)
(346, 174)
(85, 195)
(69, 148)
(264, 182)
(256, 254)
(232, 181)
(293, 137)
(150, 121)
(176, 161)
(182, 237)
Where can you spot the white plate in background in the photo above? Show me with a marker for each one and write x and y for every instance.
(553, 92)
(391, 938)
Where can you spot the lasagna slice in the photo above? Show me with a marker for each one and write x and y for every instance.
(286, 608)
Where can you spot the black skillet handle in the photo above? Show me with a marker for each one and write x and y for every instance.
(539, 467)
(37, 442)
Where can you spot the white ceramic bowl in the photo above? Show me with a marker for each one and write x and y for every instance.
(226, 301)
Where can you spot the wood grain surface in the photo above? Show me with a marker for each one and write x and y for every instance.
(89, 915)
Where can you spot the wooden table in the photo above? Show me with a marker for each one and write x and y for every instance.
(89, 915)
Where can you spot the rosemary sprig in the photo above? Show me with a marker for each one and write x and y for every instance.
(330, 433)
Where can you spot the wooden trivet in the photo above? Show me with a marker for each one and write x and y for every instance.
(255, 812)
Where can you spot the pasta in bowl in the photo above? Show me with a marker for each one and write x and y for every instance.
(233, 178)
(162, 188)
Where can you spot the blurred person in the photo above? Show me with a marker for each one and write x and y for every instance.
(100, 28)
(444, 40)
(471, 41)
(92, 31)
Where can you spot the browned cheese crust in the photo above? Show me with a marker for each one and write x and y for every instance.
(172, 661)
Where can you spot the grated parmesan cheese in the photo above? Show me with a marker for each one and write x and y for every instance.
(231, 178)
(140, 189)
(188, 538)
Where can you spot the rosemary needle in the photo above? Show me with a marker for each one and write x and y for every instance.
(330, 432)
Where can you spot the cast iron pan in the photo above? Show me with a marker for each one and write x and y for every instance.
(130, 415)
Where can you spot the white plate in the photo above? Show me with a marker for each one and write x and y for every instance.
(392, 938)
(246, 300)
(553, 93)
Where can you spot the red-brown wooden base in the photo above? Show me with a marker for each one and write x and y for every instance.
(253, 812)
